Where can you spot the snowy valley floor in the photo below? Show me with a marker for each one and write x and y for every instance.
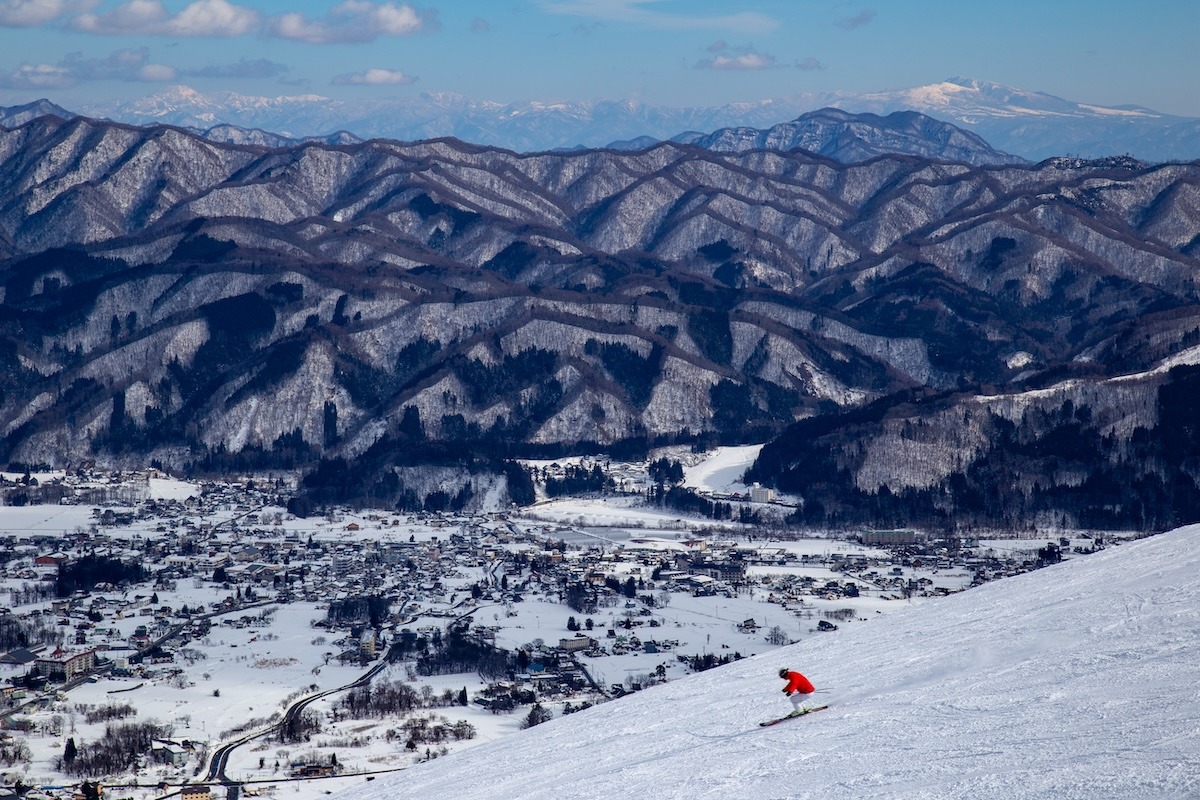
(1081, 680)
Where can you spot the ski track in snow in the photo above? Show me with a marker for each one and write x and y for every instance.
(1081, 680)
(723, 471)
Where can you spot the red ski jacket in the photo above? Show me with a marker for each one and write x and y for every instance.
(798, 683)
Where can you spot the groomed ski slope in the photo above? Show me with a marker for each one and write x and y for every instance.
(1081, 680)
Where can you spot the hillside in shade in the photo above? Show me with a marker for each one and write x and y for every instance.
(1075, 681)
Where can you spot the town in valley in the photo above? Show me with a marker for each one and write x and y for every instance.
(163, 637)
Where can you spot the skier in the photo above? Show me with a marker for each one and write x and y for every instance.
(798, 689)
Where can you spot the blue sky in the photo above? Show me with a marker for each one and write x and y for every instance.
(674, 52)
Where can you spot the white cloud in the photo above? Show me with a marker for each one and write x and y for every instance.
(858, 20)
(246, 68)
(132, 65)
(214, 18)
(736, 58)
(636, 12)
(151, 18)
(375, 77)
(38, 76)
(353, 21)
(745, 58)
(157, 73)
(743, 61)
(29, 13)
(350, 21)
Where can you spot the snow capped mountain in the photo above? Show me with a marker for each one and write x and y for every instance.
(852, 138)
(13, 116)
(293, 117)
(523, 126)
(178, 105)
(1078, 680)
(1033, 125)
(1037, 125)
(231, 134)
(963, 97)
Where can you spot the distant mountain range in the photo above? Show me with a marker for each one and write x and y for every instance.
(852, 138)
(14, 116)
(838, 135)
(1033, 125)
(965, 343)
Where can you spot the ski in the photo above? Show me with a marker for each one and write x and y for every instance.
(793, 715)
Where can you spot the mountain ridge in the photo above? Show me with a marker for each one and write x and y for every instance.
(1032, 125)
(173, 298)
(851, 138)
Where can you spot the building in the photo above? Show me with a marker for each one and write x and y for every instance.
(61, 665)
(761, 494)
(176, 756)
(576, 644)
(366, 644)
(889, 537)
(19, 656)
(195, 792)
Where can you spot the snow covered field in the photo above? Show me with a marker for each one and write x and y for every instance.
(722, 470)
(243, 676)
(240, 678)
(1076, 681)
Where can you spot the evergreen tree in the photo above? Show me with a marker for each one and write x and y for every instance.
(537, 715)
(580, 598)
(520, 484)
(410, 424)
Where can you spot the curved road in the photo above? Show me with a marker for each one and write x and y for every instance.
(220, 757)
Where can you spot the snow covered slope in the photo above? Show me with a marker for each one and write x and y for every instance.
(1077, 681)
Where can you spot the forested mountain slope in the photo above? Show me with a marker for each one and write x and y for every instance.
(170, 297)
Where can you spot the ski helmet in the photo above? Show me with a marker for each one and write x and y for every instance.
(783, 673)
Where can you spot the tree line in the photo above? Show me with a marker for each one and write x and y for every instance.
(394, 698)
(116, 751)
